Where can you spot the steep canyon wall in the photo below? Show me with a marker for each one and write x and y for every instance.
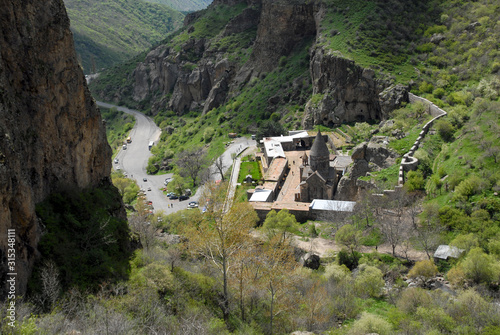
(51, 133)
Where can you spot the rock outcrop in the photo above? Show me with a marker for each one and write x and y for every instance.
(199, 76)
(282, 26)
(204, 73)
(51, 133)
(367, 157)
(342, 91)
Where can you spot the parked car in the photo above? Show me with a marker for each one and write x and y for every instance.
(124, 147)
(169, 194)
(173, 197)
(183, 197)
(149, 188)
(144, 179)
(193, 204)
(116, 160)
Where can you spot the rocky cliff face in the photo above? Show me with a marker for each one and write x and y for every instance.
(345, 92)
(367, 157)
(201, 75)
(51, 133)
(282, 26)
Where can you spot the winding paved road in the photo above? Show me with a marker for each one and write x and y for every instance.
(134, 159)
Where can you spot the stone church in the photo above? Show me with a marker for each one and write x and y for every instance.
(318, 179)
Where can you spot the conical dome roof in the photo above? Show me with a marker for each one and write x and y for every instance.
(319, 148)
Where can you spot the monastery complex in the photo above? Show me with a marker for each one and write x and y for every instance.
(301, 175)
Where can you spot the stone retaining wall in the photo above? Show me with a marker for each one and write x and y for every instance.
(409, 162)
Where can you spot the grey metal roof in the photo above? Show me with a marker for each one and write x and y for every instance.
(319, 148)
(444, 251)
(260, 195)
(332, 205)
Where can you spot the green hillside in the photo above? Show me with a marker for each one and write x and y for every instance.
(184, 5)
(108, 32)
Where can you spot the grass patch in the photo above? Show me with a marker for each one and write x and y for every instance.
(249, 168)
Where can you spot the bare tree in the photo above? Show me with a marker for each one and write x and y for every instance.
(392, 222)
(220, 236)
(219, 165)
(50, 283)
(140, 224)
(429, 229)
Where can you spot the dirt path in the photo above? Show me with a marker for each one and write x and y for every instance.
(325, 248)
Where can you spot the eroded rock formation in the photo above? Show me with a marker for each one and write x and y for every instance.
(367, 157)
(51, 133)
(342, 91)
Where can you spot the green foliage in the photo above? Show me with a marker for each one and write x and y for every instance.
(480, 267)
(414, 181)
(445, 130)
(103, 38)
(369, 281)
(270, 128)
(86, 229)
(118, 125)
(425, 268)
(348, 259)
(349, 236)
(465, 242)
(370, 323)
(312, 231)
(467, 188)
(249, 168)
(184, 5)
(280, 224)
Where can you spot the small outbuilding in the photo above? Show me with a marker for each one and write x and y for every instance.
(443, 252)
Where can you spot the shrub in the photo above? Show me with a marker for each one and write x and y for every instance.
(208, 134)
(466, 242)
(370, 323)
(480, 267)
(470, 186)
(412, 298)
(426, 87)
(312, 230)
(426, 269)
(439, 92)
(80, 230)
(445, 130)
(415, 181)
(369, 281)
(350, 260)
(336, 272)
(456, 276)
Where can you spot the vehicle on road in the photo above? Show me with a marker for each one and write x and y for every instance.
(129, 140)
(149, 188)
(144, 179)
(151, 144)
(183, 197)
(173, 197)
(124, 147)
(116, 160)
(193, 204)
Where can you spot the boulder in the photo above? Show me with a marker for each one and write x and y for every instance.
(311, 261)
(392, 98)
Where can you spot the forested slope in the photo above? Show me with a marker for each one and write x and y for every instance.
(184, 5)
(108, 32)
